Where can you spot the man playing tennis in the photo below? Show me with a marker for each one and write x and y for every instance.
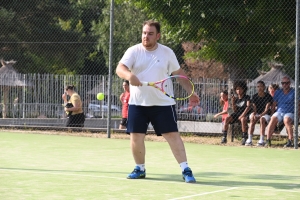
(151, 61)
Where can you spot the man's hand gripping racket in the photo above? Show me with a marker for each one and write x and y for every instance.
(177, 87)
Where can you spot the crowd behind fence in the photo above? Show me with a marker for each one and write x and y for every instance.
(40, 97)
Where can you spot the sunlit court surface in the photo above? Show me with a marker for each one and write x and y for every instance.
(37, 165)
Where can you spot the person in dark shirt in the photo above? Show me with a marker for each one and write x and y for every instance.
(261, 104)
(241, 109)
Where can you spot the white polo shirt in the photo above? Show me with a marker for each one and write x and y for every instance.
(150, 66)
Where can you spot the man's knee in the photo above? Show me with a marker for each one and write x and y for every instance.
(174, 139)
(252, 121)
(137, 137)
(274, 120)
(288, 121)
(228, 120)
(272, 125)
(263, 122)
(243, 120)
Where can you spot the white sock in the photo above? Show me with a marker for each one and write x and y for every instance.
(183, 165)
(250, 137)
(141, 166)
(262, 138)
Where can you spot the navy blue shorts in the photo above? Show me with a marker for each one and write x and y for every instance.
(162, 118)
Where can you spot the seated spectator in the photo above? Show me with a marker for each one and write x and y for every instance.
(272, 89)
(224, 103)
(241, 108)
(261, 103)
(284, 101)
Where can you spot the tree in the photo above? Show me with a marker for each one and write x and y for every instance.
(237, 33)
(49, 36)
(128, 22)
(89, 12)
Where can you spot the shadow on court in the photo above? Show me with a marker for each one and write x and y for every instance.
(255, 180)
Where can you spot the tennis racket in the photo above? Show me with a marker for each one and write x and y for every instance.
(177, 87)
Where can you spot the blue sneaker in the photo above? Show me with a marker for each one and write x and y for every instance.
(187, 176)
(137, 173)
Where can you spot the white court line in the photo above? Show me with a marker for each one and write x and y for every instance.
(149, 180)
(233, 188)
(205, 193)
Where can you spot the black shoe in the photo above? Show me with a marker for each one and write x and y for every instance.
(288, 144)
(268, 143)
(244, 141)
(224, 140)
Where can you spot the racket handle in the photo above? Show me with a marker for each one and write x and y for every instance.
(144, 83)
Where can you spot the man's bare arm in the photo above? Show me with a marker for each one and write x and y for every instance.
(123, 72)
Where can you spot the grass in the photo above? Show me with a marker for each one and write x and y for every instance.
(63, 166)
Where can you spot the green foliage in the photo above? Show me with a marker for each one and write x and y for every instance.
(49, 36)
(127, 29)
(235, 32)
(72, 36)
(6, 16)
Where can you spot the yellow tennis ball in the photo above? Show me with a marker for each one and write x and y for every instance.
(100, 96)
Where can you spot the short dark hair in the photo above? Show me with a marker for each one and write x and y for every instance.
(225, 92)
(126, 81)
(274, 86)
(242, 84)
(70, 87)
(261, 82)
(153, 23)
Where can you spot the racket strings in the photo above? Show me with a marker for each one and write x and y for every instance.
(174, 89)
(167, 87)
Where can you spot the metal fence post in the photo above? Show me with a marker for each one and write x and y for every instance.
(111, 30)
(296, 118)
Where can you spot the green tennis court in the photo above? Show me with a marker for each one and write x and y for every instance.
(40, 166)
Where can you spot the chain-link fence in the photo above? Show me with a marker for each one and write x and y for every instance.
(60, 42)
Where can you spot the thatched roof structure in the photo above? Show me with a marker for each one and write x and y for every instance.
(273, 76)
(9, 76)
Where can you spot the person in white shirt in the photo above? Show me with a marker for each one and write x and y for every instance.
(151, 61)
